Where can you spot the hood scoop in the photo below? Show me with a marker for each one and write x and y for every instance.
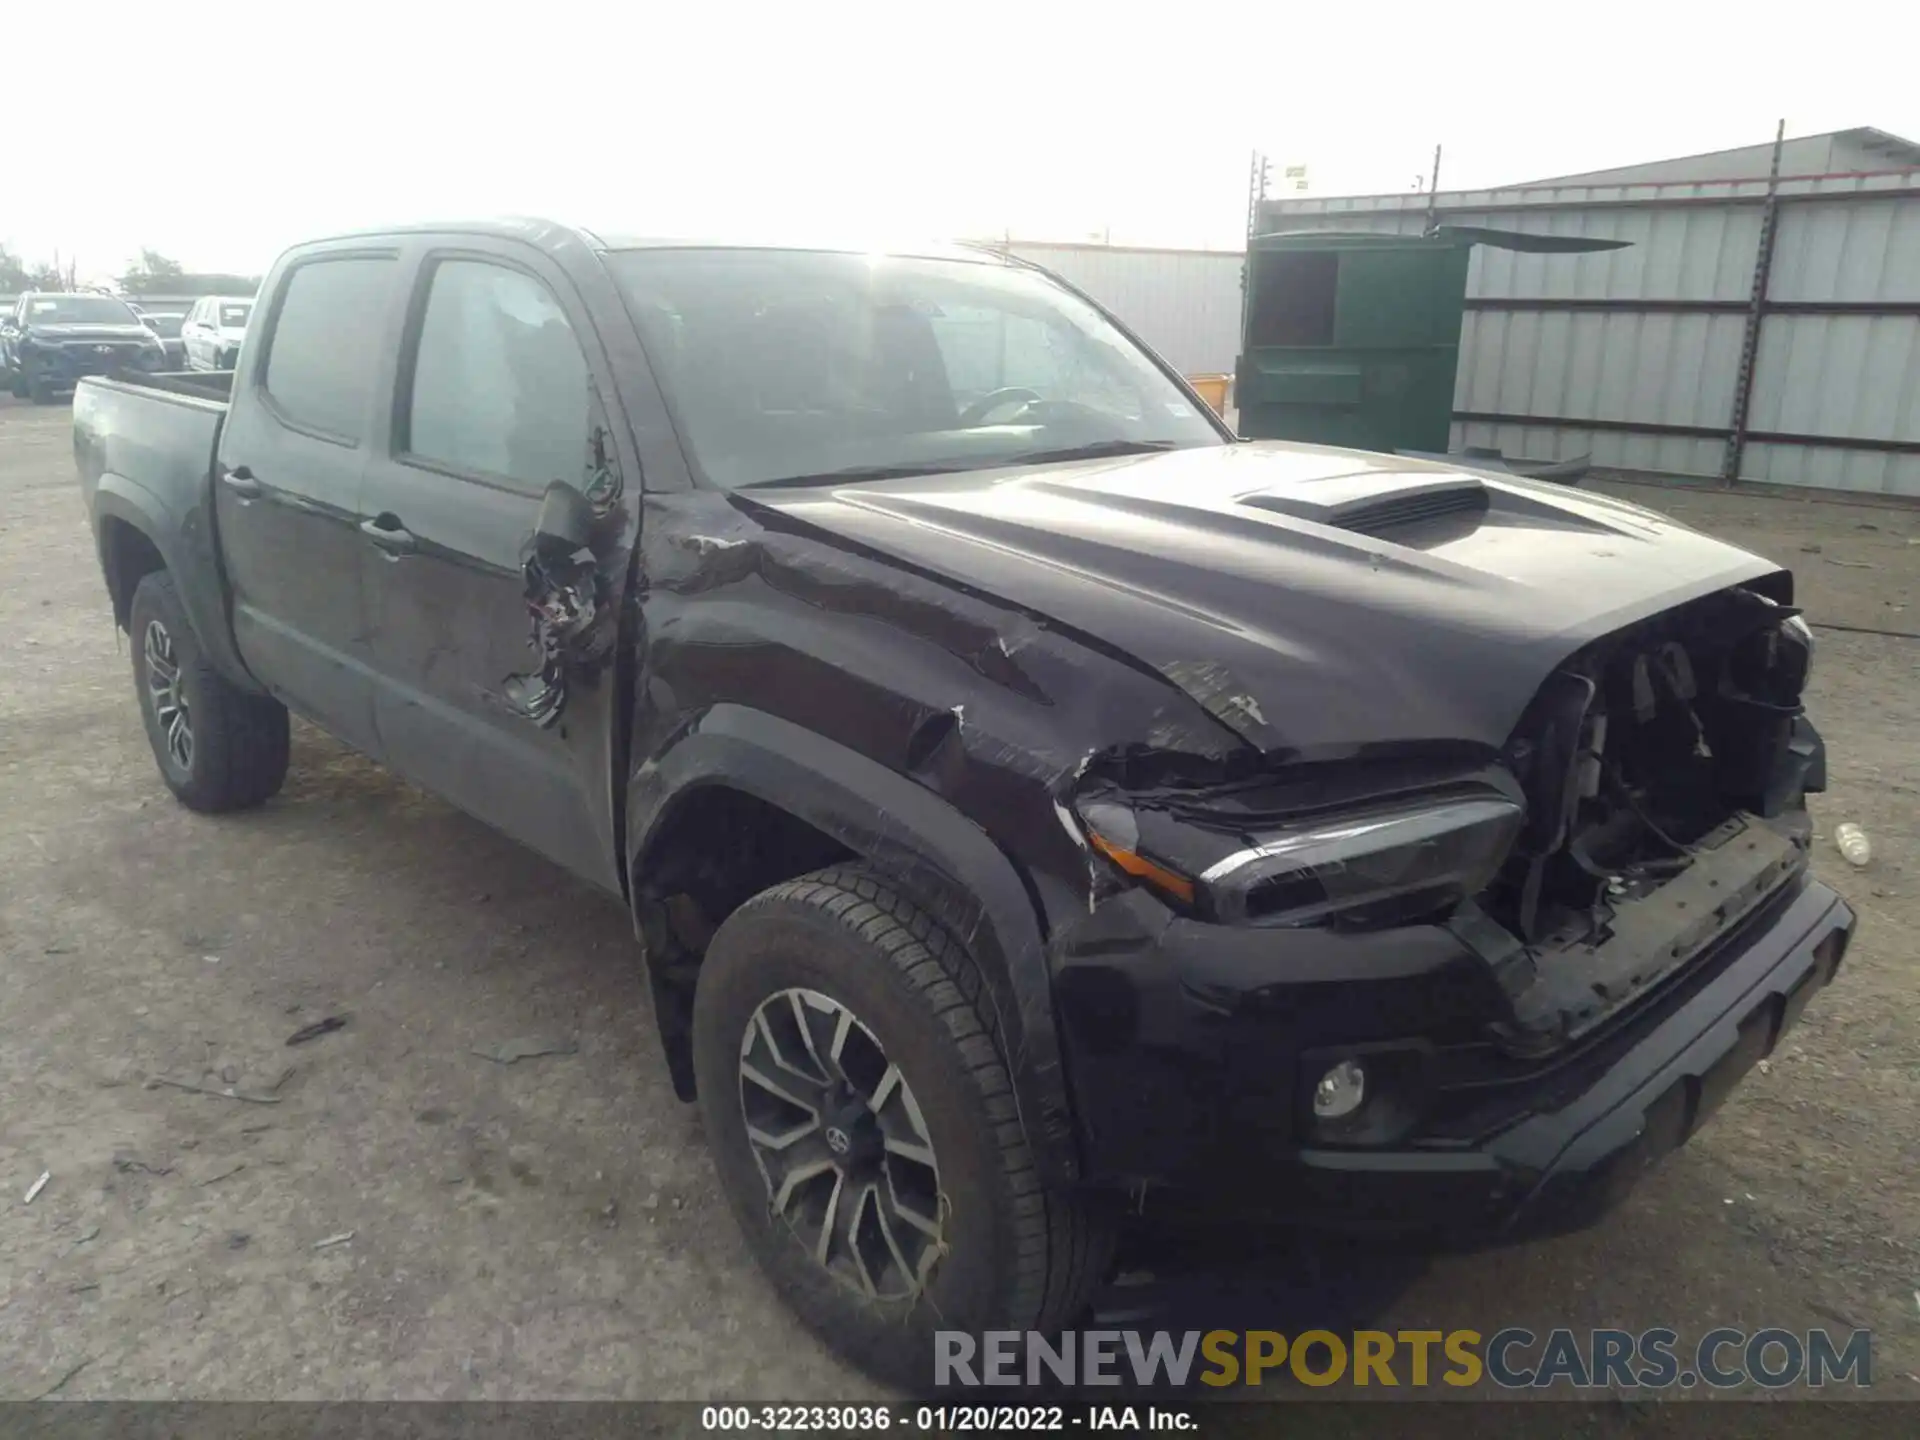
(1372, 503)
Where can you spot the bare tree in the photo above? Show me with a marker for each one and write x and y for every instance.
(151, 274)
(157, 274)
(14, 275)
(51, 275)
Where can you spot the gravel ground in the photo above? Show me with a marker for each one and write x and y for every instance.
(550, 1229)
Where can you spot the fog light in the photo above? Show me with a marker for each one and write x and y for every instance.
(1340, 1091)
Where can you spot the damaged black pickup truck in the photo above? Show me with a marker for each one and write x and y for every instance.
(1032, 802)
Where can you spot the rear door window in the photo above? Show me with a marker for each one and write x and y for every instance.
(326, 342)
(500, 385)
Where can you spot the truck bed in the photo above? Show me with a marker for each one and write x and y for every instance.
(200, 384)
(159, 433)
(145, 449)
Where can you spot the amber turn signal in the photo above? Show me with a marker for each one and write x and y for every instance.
(1142, 868)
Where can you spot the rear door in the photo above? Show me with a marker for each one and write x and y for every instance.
(498, 395)
(288, 482)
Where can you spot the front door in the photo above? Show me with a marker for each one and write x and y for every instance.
(287, 489)
(496, 401)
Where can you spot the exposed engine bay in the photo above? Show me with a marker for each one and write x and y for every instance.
(1640, 748)
(1650, 800)
(1664, 771)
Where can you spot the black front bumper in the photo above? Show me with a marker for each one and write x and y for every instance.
(1563, 1168)
(68, 365)
(1207, 1105)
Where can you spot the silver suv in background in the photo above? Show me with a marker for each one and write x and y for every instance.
(213, 331)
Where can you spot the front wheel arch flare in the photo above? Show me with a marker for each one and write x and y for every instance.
(901, 830)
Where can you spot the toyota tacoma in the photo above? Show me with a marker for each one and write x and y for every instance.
(1034, 804)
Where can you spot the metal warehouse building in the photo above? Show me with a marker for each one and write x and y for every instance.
(1184, 303)
(1759, 326)
(1762, 325)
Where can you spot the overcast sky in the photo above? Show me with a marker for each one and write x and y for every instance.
(219, 132)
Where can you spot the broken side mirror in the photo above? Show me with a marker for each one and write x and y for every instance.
(565, 524)
(564, 598)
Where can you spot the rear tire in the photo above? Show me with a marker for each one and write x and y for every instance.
(1005, 1253)
(218, 747)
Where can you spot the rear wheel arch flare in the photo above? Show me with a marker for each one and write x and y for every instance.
(127, 555)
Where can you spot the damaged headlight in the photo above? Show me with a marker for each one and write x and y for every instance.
(1796, 626)
(1381, 865)
(1375, 865)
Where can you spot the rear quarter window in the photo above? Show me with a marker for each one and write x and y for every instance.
(326, 341)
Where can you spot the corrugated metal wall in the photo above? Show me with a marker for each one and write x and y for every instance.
(1184, 303)
(1671, 368)
(1831, 372)
(1644, 344)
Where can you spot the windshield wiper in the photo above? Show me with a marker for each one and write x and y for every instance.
(853, 473)
(1098, 450)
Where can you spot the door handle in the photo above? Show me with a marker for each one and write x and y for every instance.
(389, 534)
(239, 479)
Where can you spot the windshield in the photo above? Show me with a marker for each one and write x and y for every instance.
(165, 325)
(78, 310)
(787, 364)
(234, 317)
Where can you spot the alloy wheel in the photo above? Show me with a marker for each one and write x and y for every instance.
(169, 698)
(842, 1145)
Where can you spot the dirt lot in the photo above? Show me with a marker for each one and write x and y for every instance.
(551, 1228)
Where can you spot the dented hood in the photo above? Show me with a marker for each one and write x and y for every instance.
(1314, 600)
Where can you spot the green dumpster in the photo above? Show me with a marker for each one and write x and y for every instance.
(1353, 338)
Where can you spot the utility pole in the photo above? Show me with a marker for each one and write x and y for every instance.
(1433, 193)
(1256, 192)
(1736, 446)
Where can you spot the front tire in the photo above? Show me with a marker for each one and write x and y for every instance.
(865, 1130)
(218, 747)
(35, 384)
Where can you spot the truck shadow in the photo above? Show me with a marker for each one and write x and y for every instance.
(543, 948)
(1172, 1275)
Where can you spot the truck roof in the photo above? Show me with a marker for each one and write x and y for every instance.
(549, 233)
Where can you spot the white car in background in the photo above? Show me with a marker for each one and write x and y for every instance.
(213, 331)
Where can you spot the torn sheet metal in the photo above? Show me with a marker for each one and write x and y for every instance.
(564, 602)
(1222, 696)
(823, 578)
(569, 587)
